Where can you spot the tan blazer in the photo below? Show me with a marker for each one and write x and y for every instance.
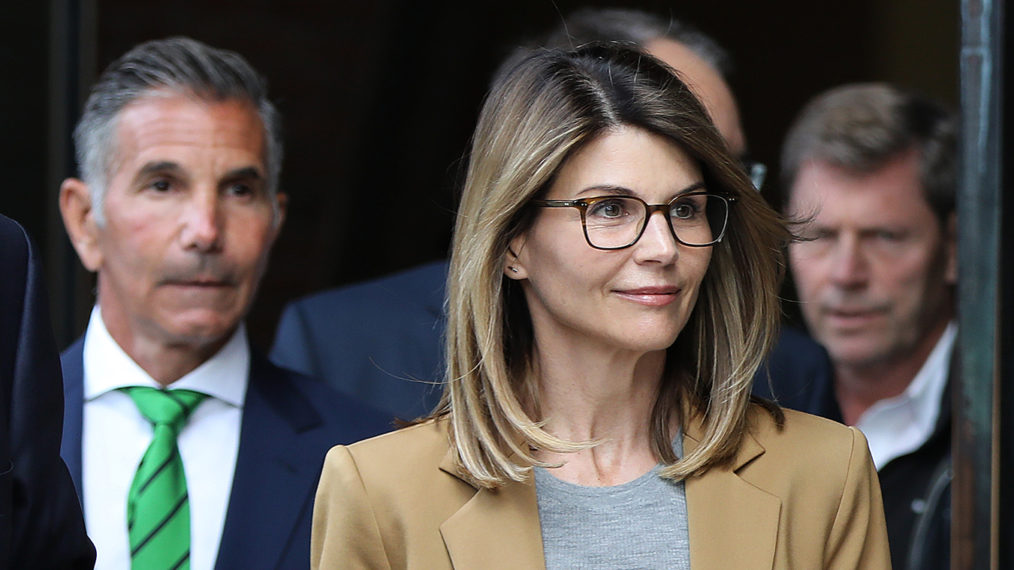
(804, 497)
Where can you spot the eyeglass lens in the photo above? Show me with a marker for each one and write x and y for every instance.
(618, 221)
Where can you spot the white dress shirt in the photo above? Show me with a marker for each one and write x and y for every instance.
(116, 435)
(900, 425)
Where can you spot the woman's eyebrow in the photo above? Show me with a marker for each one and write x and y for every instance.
(610, 189)
(616, 190)
(695, 186)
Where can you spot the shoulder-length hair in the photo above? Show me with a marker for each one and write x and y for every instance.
(538, 113)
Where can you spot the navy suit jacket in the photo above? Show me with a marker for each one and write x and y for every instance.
(289, 423)
(40, 517)
(380, 340)
(798, 376)
(376, 339)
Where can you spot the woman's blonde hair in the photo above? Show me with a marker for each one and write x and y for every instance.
(538, 113)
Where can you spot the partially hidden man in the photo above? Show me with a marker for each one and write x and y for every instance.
(188, 448)
(870, 169)
(40, 518)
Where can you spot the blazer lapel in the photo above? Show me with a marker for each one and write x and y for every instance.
(495, 529)
(275, 476)
(733, 524)
(72, 361)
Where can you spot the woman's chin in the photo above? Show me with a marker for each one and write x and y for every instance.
(648, 343)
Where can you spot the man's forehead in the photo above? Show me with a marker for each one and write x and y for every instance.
(174, 122)
(890, 194)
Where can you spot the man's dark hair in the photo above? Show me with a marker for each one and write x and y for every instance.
(861, 127)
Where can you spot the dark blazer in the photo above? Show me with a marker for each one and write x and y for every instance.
(40, 517)
(376, 340)
(289, 423)
(798, 376)
(380, 340)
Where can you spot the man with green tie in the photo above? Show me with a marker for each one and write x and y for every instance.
(189, 449)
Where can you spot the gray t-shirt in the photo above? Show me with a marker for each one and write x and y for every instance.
(639, 524)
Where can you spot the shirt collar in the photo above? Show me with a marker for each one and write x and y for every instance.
(918, 406)
(107, 367)
(928, 385)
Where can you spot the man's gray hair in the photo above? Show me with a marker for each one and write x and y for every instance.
(588, 25)
(625, 26)
(180, 65)
(861, 127)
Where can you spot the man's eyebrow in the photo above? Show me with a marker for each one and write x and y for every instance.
(246, 172)
(159, 166)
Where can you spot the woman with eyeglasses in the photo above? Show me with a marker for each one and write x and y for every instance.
(613, 287)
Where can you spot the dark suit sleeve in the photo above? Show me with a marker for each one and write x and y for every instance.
(41, 513)
(797, 374)
(379, 341)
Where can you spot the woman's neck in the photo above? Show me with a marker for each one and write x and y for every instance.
(597, 395)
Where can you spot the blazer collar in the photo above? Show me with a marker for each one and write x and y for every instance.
(733, 524)
(495, 528)
(73, 410)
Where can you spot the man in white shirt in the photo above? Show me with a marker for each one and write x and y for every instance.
(869, 170)
(176, 210)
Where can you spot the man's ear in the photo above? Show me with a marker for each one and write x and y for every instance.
(281, 206)
(79, 220)
(514, 266)
(951, 249)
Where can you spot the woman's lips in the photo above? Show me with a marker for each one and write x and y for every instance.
(650, 296)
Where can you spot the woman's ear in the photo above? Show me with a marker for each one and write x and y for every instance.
(514, 267)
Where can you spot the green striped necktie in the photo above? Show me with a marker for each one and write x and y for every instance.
(158, 512)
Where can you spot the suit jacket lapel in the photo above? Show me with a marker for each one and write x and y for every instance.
(275, 476)
(72, 361)
(733, 524)
(495, 529)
